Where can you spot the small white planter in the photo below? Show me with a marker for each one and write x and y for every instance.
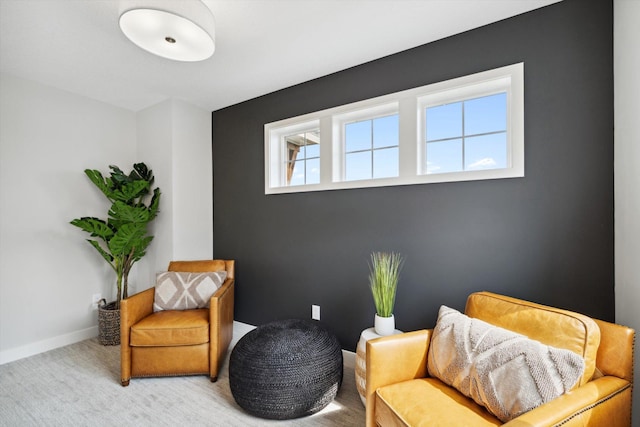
(385, 325)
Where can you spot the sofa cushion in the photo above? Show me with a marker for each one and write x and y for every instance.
(428, 402)
(171, 328)
(549, 325)
(505, 372)
(184, 290)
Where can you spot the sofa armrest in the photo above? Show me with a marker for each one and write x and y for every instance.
(394, 359)
(615, 354)
(221, 308)
(605, 401)
(132, 310)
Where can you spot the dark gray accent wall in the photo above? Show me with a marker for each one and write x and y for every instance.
(547, 237)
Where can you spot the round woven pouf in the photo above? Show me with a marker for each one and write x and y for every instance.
(286, 369)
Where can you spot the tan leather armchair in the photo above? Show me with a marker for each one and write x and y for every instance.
(399, 391)
(175, 343)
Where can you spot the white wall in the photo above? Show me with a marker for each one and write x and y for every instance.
(192, 183)
(175, 137)
(48, 272)
(627, 170)
(155, 149)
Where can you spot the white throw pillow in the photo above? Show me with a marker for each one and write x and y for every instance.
(184, 291)
(507, 373)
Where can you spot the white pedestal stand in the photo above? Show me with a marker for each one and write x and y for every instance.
(361, 361)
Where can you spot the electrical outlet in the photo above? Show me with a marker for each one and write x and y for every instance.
(315, 312)
(95, 299)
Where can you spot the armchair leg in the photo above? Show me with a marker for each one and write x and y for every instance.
(213, 379)
(124, 383)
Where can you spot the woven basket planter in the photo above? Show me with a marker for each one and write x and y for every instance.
(286, 369)
(109, 324)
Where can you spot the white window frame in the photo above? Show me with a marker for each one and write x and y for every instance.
(340, 121)
(276, 149)
(410, 106)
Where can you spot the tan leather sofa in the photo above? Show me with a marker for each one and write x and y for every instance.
(175, 343)
(399, 391)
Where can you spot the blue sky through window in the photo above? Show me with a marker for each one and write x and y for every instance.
(371, 148)
(460, 136)
(467, 135)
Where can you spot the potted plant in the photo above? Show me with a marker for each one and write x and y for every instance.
(384, 272)
(122, 238)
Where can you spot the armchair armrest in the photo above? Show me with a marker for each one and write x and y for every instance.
(135, 308)
(394, 359)
(132, 310)
(604, 401)
(221, 308)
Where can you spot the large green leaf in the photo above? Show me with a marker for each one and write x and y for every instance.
(119, 178)
(122, 213)
(105, 185)
(155, 204)
(131, 190)
(129, 236)
(141, 171)
(95, 227)
(106, 255)
(139, 251)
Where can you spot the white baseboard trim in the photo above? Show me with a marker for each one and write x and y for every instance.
(38, 347)
(240, 329)
(349, 359)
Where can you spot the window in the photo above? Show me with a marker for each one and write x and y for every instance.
(295, 150)
(469, 128)
(371, 148)
(303, 158)
(467, 135)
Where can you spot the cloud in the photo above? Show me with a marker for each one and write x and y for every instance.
(487, 162)
(431, 167)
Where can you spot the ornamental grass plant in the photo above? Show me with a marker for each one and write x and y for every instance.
(384, 272)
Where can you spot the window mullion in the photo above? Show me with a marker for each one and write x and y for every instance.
(410, 152)
(464, 142)
(371, 149)
(327, 147)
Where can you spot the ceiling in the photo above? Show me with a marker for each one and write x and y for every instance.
(261, 45)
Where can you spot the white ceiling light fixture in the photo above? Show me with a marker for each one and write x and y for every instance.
(182, 30)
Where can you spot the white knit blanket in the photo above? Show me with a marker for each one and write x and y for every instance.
(505, 372)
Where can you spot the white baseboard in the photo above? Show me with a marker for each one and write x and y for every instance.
(32, 349)
(239, 330)
(349, 359)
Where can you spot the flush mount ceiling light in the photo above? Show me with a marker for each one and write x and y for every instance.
(185, 31)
